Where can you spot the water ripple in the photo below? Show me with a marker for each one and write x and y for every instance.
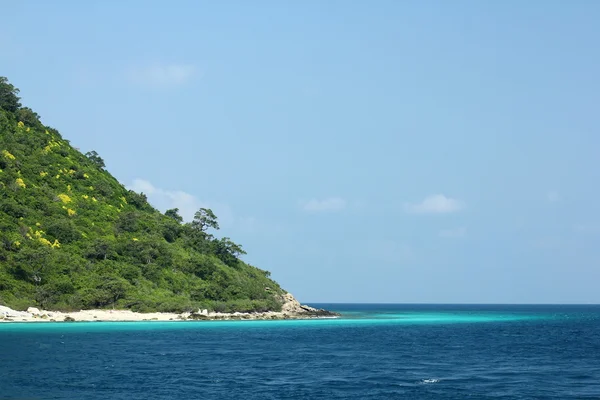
(376, 352)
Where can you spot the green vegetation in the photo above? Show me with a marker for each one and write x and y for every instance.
(72, 237)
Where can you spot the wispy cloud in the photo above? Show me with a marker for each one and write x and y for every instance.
(455, 233)
(325, 205)
(188, 204)
(553, 196)
(169, 75)
(435, 204)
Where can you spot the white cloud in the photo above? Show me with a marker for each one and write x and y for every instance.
(453, 233)
(163, 75)
(187, 203)
(435, 204)
(328, 204)
(553, 196)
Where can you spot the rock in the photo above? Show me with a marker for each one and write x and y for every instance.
(290, 304)
(308, 308)
(292, 308)
(10, 313)
(197, 316)
(33, 310)
(69, 319)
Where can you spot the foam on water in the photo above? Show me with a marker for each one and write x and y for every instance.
(426, 381)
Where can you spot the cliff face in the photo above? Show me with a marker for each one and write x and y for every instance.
(72, 237)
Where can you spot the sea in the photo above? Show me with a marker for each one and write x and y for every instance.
(374, 351)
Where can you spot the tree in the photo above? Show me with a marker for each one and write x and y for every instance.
(139, 201)
(101, 249)
(227, 251)
(95, 159)
(174, 213)
(31, 263)
(127, 222)
(64, 230)
(8, 96)
(204, 219)
(28, 116)
(116, 288)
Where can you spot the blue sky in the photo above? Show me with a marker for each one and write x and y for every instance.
(388, 151)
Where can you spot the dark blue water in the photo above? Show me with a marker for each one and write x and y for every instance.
(374, 352)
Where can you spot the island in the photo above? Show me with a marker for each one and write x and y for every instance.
(76, 241)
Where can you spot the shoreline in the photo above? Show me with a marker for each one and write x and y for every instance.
(291, 309)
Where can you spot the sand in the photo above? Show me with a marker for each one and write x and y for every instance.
(291, 309)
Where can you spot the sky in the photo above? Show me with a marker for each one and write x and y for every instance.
(361, 151)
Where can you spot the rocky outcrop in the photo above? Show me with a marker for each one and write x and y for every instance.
(10, 314)
(292, 307)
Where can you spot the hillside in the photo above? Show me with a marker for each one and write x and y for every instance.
(72, 237)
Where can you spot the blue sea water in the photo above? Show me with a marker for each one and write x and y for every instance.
(372, 352)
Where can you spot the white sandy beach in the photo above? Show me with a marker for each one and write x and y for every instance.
(291, 309)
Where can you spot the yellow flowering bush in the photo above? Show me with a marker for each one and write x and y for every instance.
(50, 146)
(6, 154)
(20, 124)
(71, 212)
(64, 198)
(85, 196)
(20, 182)
(43, 174)
(39, 236)
(44, 241)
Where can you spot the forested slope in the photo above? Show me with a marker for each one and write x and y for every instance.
(73, 237)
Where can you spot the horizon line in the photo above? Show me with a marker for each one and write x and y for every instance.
(458, 304)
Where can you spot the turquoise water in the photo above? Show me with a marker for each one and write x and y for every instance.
(372, 352)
